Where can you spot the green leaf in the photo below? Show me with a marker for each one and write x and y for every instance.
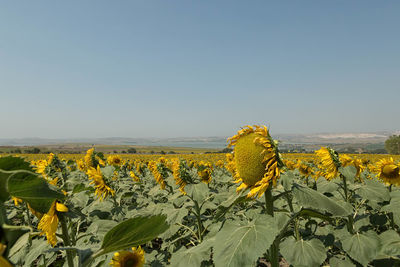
(349, 172)
(241, 243)
(336, 262)
(9, 164)
(198, 192)
(390, 241)
(287, 179)
(325, 186)
(310, 198)
(362, 247)
(134, 232)
(374, 191)
(303, 253)
(193, 256)
(34, 190)
(394, 205)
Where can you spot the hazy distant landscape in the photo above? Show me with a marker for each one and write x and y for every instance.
(347, 142)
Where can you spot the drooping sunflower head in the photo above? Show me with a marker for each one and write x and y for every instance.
(49, 222)
(328, 162)
(256, 159)
(134, 258)
(388, 171)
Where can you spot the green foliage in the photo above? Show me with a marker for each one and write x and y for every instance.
(392, 144)
(133, 232)
(303, 252)
(241, 243)
(347, 221)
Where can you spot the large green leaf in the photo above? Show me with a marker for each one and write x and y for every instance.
(303, 252)
(241, 243)
(193, 256)
(310, 198)
(34, 190)
(394, 205)
(390, 241)
(349, 172)
(9, 164)
(134, 232)
(343, 262)
(362, 247)
(198, 192)
(374, 191)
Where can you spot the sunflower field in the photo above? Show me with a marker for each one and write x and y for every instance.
(252, 207)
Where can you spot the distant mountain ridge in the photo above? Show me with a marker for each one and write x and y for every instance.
(209, 142)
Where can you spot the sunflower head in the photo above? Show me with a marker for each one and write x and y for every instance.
(388, 171)
(256, 160)
(328, 162)
(114, 160)
(134, 258)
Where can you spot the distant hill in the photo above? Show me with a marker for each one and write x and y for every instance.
(289, 140)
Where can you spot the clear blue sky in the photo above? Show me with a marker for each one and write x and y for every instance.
(197, 68)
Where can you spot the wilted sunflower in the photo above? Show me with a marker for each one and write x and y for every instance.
(3, 261)
(256, 160)
(134, 258)
(388, 171)
(102, 189)
(329, 162)
(49, 222)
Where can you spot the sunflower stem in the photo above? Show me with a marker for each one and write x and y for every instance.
(350, 221)
(28, 215)
(67, 241)
(274, 248)
(346, 196)
(199, 224)
(269, 201)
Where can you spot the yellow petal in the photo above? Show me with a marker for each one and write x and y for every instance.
(61, 207)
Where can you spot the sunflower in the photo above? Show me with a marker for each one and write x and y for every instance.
(102, 189)
(81, 164)
(220, 163)
(88, 159)
(204, 170)
(304, 169)
(290, 164)
(49, 222)
(256, 161)
(388, 171)
(134, 258)
(159, 171)
(3, 261)
(17, 201)
(134, 176)
(329, 162)
(359, 166)
(181, 174)
(114, 160)
(345, 160)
